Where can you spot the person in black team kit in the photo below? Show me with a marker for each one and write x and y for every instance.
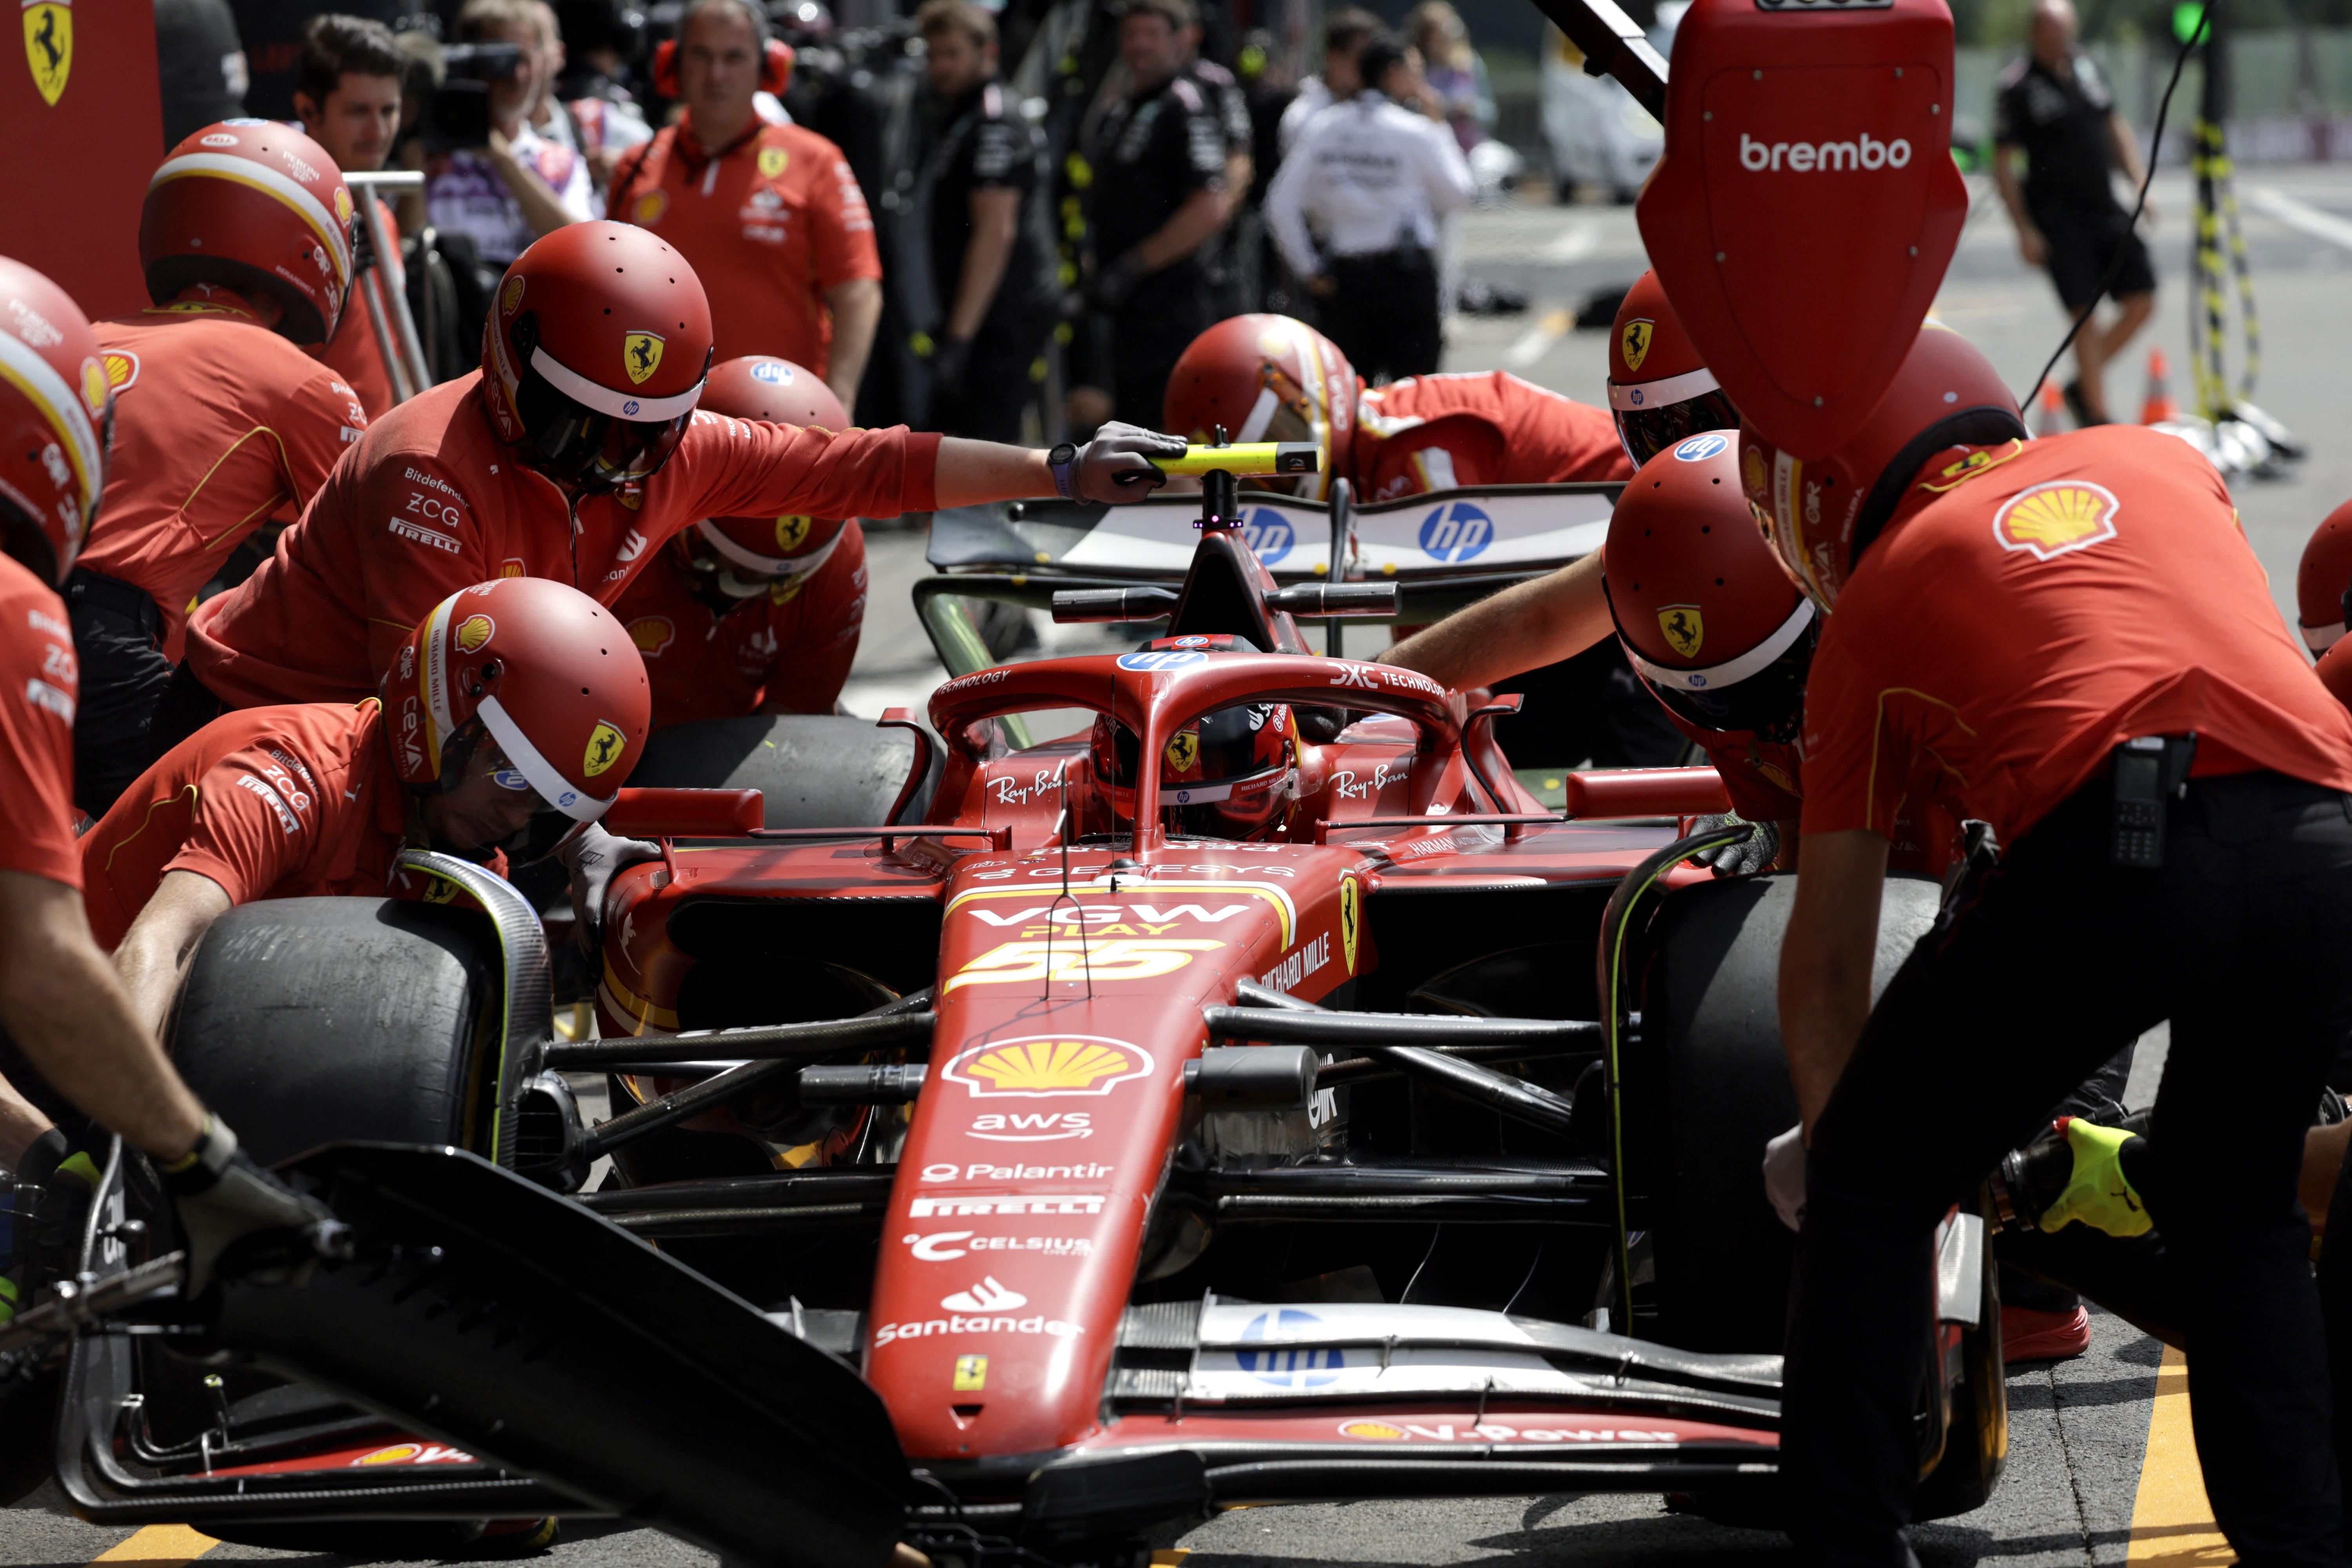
(1158, 176)
(988, 304)
(2055, 106)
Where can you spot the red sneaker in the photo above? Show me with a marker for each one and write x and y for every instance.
(2027, 1334)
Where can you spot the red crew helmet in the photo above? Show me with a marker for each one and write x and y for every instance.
(1708, 614)
(2323, 581)
(1229, 774)
(257, 207)
(540, 672)
(1660, 390)
(56, 421)
(595, 353)
(2336, 672)
(1822, 513)
(751, 555)
(1267, 378)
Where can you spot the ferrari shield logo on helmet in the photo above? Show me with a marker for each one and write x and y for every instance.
(641, 352)
(605, 745)
(48, 47)
(1634, 344)
(1184, 751)
(1351, 919)
(1684, 628)
(790, 531)
(772, 161)
(2050, 519)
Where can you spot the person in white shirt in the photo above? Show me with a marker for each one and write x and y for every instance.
(1346, 31)
(1355, 209)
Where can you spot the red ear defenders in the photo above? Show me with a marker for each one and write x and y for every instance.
(775, 67)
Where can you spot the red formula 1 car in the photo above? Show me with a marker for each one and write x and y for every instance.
(1022, 1168)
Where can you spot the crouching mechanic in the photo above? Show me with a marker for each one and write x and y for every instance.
(60, 1003)
(752, 614)
(574, 454)
(506, 726)
(2071, 640)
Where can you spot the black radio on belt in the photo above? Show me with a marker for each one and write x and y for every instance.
(2151, 771)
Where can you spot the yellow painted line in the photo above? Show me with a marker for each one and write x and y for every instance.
(1171, 1556)
(160, 1546)
(2172, 1524)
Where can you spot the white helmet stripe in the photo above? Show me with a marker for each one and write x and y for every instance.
(604, 400)
(1660, 394)
(552, 787)
(774, 568)
(1261, 415)
(67, 415)
(285, 187)
(1731, 672)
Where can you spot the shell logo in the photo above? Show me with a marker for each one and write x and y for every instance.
(1048, 1065)
(398, 1453)
(512, 296)
(343, 205)
(1372, 1431)
(652, 634)
(474, 632)
(1752, 474)
(2049, 520)
(94, 386)
(121, 368)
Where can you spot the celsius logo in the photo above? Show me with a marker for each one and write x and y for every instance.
(1823, 157)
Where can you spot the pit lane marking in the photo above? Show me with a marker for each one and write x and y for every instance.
(1538, 340)
(2172, 1522)
(159, 1546)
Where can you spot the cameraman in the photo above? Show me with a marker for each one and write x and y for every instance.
(347, 95)
(512, 185)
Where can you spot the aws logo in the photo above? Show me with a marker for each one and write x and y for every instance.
(1042, 1067)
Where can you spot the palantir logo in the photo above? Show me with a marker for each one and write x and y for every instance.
(1306, 1366)
(1268, 534)
(1822, 157)
(1455, 532)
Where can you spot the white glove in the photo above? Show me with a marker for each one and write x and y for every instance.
(1784, 1175)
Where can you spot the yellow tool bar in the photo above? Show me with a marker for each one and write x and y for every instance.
(1254, 460)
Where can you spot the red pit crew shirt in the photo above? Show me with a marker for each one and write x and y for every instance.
(770, 224)
(272, 802)
(220, 424)
(788, 651)
(1459, 432)
(434, 502)
(39, 684)
(1995, 646)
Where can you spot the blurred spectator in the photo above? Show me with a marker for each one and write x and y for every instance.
(1157, 163)
(1346, 31)
(1267, 89)
(272, 32)
(985, 297)
(1355, 210)
(601, 39)
(516, 185)
(347, 95)
(770, 216)
(1231, 278)
(202, 65)
(1456, 77)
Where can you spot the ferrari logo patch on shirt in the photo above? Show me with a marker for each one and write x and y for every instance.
(48, 47)
(1633, 343)
(2049, 520)
(772, 161)
(1684, 628)
(641, 352)
(605, 745)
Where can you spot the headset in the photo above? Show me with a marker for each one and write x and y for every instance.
(775, 56)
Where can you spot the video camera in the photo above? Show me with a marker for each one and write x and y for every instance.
(457, 117)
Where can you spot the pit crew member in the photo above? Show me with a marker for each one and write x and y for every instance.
(221, 422)
(2323, 581)
(507, 724)
(574, 454)
(752, 614)
(60, 1004)
(769, 214)
(2032, 633)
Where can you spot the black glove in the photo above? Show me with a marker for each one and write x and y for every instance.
(54, 1185)
(1107, 289)
(223, 1199)
(1116, 467)
(950, 358)
(1762, 848)
(593, 857)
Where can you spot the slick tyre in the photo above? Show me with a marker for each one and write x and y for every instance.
(311, 1021)
(1706, 1086)
(816, 770)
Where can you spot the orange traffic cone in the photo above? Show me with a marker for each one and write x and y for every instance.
(2049, 416)
(2158, 408)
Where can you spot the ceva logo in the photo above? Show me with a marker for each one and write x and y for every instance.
(1822, 157)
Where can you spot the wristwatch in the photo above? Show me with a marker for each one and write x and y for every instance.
(1060, 460)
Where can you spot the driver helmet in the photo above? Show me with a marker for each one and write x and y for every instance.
(1708, 617)
(257, 207)
(2323, 581)
(1660, 390)
(1231, 773)
(1822, 513)
(595, 353)
(1267, 378)
(746, 556)
(539, 672)
(56, 421)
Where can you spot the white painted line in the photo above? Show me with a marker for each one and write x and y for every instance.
(1538, 340)
(2302, 214)
(1574, 244)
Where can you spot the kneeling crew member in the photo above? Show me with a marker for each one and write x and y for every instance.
(507, 724)
(574, 454)
(60, 1001)
(2071, 640)
(752, 614)
(221, 423)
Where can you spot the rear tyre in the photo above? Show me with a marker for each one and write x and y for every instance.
(816, 770)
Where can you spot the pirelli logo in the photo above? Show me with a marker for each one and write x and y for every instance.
(933, 1208)
(412, 532)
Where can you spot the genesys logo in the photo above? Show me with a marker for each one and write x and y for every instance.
(1865, 153)
(947, 1245)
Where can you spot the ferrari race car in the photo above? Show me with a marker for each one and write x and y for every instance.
(1003, 1164)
